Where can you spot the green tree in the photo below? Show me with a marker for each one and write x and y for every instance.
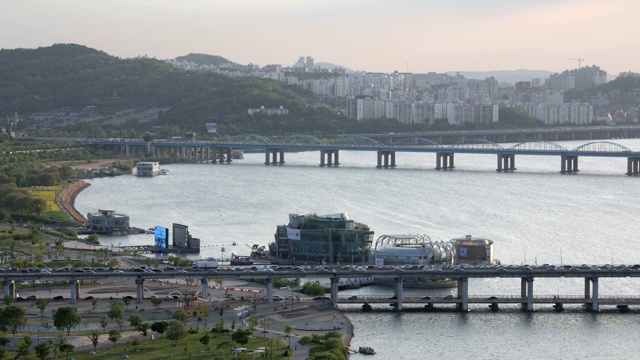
(204, 340)
(24, 345)
(94, 336)
(3, 342)
(41, 304)
(66, 318)
(176, 331)
(8, 299)
(313, 288)
(241, 336)
(180, 315)
(94, 305)
(66, 348)
(126, 301)
(225, 345)
(135, 320)
(253, 322)
(114, 336)
(160, 327)
(94, 239)
(103, 323)
(156, 303)
(143, 329)
(13, 317)
(42, 350)
(116, 313)
(288, 329)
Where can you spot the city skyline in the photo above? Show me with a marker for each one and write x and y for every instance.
(364, 35)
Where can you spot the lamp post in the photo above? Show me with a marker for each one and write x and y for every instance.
(334, 325)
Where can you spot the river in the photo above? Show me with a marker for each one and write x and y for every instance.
(533, 215)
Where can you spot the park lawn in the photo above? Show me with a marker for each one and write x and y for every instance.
(189, 348)
(48, 194)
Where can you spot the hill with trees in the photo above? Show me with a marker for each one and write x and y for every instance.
(204, 59)
(69, 76)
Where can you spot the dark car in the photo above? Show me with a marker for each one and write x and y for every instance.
(59, 297)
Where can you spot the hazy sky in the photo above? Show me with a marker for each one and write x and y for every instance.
(371, 35)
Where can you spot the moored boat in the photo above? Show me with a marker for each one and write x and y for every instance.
(366, 350)
(240, 260)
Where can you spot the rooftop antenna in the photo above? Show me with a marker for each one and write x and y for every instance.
(579, 59)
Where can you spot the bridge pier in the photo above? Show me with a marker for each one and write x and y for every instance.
(332, 157)
(568, 164)
(398, 292)
(334, 292)
(633, 166)
(139, 290)
(75, 290)
(506, 162)
(593, 294)
(463, 293)
(274, 154)
(386, 155)
(205, 287)
(269, 290)
(444, 161)
(221, 155)
(526, 291)
(9, 288)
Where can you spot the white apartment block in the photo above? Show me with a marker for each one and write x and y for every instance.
(557, 114)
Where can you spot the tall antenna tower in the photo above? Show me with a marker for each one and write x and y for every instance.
(579, 60)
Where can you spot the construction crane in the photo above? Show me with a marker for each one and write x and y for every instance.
(579, 60)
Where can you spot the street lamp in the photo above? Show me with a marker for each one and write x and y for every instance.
(334, 325)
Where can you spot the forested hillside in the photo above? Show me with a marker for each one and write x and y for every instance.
(68, 76)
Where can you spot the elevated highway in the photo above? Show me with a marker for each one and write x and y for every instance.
(592, 275)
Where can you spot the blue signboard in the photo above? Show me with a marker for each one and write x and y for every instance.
(162, 237)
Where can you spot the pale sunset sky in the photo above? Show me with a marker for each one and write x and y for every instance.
(369, 35)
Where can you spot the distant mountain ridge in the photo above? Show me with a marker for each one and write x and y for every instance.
(510, 76)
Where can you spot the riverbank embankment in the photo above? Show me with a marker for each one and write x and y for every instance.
(67, 199)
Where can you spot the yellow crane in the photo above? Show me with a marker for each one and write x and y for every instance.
(579, 60)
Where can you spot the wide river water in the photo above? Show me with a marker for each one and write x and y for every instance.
(533, 215)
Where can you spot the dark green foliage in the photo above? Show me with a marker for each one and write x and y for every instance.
(203, 59)
(12, 318)
(241, 336)
(621, 86)
(68, 76)
(326, 347)
(313, 288)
